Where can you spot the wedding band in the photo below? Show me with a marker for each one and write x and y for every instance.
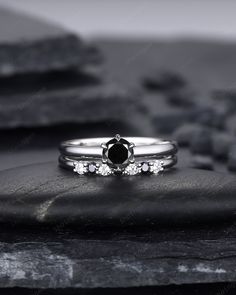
(127, 156)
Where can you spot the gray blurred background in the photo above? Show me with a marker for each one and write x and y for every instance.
(138, 18)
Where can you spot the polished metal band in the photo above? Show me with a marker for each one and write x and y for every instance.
(143, 147)
(127, 156)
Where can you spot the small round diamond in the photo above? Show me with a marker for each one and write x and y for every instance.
(156, 167)
(132, 169)
(92, 168)
(145, 167)
(80, 168)
(104, 170)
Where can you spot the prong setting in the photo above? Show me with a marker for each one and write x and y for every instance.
(117, 137)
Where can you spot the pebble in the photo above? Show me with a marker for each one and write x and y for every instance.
(211, 116)
(227, 98)
(232, 158)
(183, 97)
(164, 81)
(166, 121)
(231, 124)
(201, 141)
(184, 133)
(221, 142)
(202, 162)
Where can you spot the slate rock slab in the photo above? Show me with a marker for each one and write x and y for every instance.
(68, 97)
(61, 230)
(46, 194)
(55, 258)
(202, 162)
(28, 45)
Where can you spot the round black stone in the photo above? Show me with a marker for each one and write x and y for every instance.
(118, 151)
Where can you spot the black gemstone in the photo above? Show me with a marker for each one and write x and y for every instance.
(118, 151)
(118, 154)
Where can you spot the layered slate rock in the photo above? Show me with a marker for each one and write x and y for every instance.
(66, 259)
(67, 97)
(115, 231)
(47, 194)
(30, 45)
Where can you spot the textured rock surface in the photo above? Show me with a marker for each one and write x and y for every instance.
(164, 81)
(64, 97)
(62, 255)
(221, 143)
(201, 141)
(46, 194)
(202, 162)
(232, 158)
(184, 133)
(62, 259)
(31, 45)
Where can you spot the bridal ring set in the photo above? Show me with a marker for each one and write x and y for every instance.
(117, 156)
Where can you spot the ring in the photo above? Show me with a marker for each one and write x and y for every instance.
(118, 156)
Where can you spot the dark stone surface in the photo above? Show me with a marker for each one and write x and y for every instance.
(227, 97)
(46, 194)
(164, 81)
(231, 124)
(30, 45)
(193, 289)
(166, 117)
(31, 101)
(184, 133)
(170, 117)
(221, 142)
(59, 258)
(201, 141)
(232, 158)
(211, 116)
(182, 98)
(202, 162)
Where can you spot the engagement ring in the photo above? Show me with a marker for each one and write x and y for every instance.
(118, 156)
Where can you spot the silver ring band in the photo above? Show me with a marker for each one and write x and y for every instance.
(143, 147)
(127, 156)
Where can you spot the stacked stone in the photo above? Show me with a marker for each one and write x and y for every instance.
(207, 129)
(50, 76)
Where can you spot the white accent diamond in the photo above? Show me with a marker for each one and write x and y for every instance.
(132, 169)
(145, 167)
(92, 168)
(104, 170)
(80, 168)
(156, 167)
